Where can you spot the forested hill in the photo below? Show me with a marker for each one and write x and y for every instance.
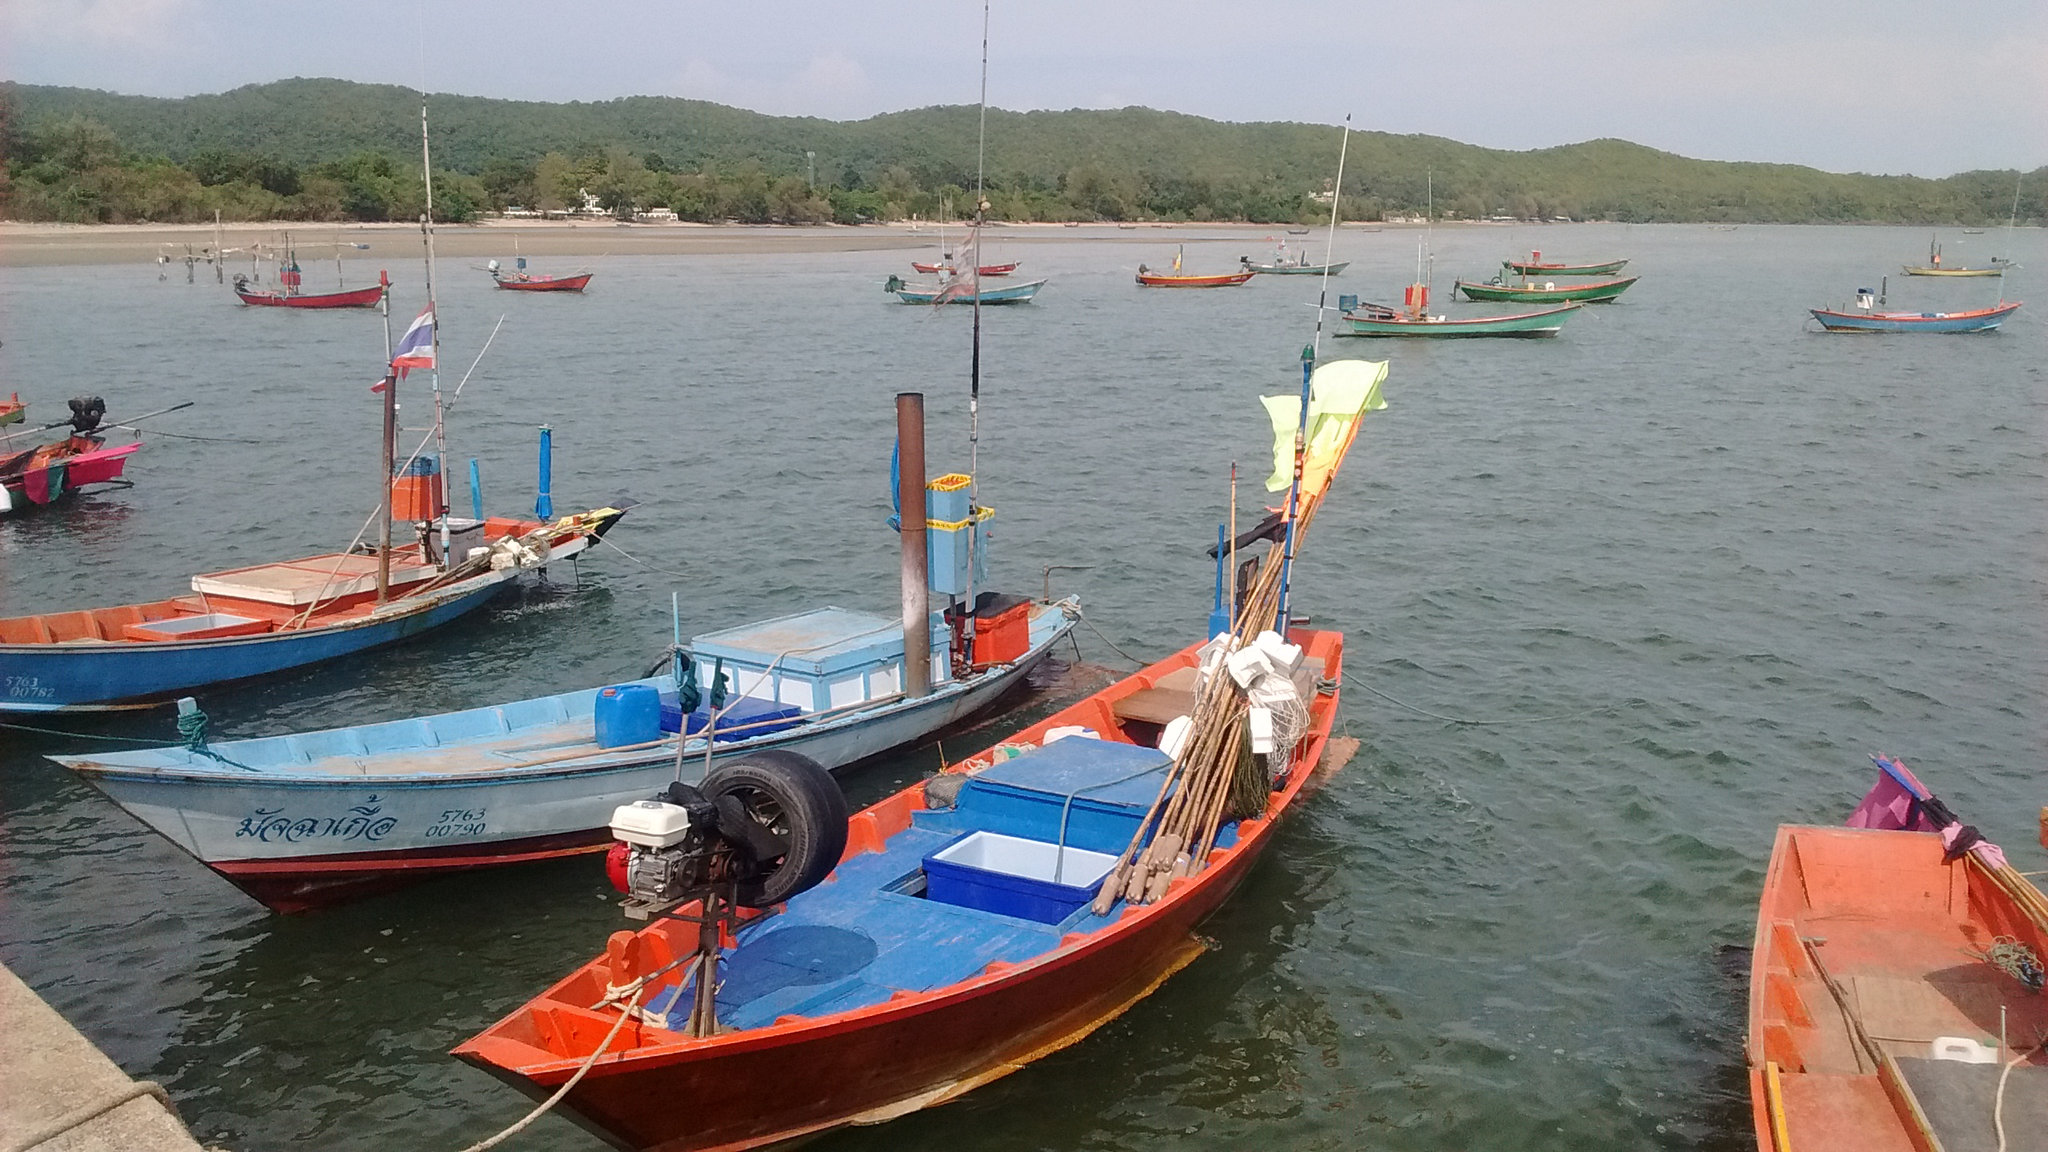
(332, 149)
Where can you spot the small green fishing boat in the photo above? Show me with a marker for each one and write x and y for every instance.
(1535, 265)
(1413, 320)
(1548, 292)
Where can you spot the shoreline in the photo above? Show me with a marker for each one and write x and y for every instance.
(52, 245)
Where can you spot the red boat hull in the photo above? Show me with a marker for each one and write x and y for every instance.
(354, 298)
(301, 884)
(1227, 280)
(805, 1075)
(548, 284)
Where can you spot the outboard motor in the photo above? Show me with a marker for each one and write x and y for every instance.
(86, 412)
(763, 828)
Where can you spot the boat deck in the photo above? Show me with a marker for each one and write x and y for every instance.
(871, 933)
(1905, 938)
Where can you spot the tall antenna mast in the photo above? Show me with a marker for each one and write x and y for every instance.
(1330, 245)
(440, 422)
(972, 252)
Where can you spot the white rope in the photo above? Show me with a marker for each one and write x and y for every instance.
(631, 1009)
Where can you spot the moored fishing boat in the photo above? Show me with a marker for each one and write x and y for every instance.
(947, 268)
(284, 298)
(311, 818)
(12, 410)
(291, 293)
(974, 923)
(1895, 985)
(46, 473)
(521, 280)
(1296, 267)
(1413, 319)
(1148, 279)
(930, 293)
(1177, 279)
(1998, 266)
(1535, 265)
(1864, 319)
(1547, 292)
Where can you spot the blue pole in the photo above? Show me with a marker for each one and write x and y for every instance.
(1219, 616)
(544, 504)
(476, 490)
(1308, 367)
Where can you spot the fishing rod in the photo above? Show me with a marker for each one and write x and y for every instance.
(67, 423)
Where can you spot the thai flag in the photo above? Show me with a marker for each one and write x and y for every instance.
(416, 348)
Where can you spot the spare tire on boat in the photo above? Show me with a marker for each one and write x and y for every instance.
(796, 800)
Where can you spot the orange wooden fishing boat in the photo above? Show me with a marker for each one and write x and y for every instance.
(909, 1022)
(1894, 1000)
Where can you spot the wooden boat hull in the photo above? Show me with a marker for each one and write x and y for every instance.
(1937, 270)
(1601, 292)
(1526, 324)
(309, 822)
(947, 269)
(46, 479)
(1007, 294)
(1976, 320)
(1525, 268)
(1226, 280)
(354, 298)
(574, 283)
(98, 671)
(1902, 934)
(1299, 269)
(804, 1075)
(12, 412)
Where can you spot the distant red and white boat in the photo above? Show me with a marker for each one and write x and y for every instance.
(520, 280)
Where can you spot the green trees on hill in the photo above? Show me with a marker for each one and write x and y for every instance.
(333, 150)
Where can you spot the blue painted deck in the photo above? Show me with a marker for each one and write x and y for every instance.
(862, 936)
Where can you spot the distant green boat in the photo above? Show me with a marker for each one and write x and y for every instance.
(1536, 266)
(1379, 320)
(1547, 292)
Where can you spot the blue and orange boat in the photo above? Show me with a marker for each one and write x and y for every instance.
(973, 923)
(1865, 319)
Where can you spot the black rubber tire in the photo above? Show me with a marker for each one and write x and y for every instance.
(793, 795)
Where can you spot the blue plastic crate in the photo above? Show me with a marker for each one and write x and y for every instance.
(1013, 876)
(1112, 786)
(760, 717)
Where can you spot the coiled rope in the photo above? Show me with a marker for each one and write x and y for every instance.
(2018, 961)
(192, 728)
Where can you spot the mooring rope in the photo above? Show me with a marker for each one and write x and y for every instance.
(630, 1010)
(192, 728)
(78, 735)
(1082, 617)
(635, 559)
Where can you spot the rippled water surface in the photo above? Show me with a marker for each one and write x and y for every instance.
(1690, 561)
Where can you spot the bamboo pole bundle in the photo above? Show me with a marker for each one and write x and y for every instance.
(2019, 889)
(1214, 765)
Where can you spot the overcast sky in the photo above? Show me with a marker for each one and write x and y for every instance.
(1873, 86)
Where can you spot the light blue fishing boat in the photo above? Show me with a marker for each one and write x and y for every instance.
(311, 818)
(1865, 320)
(927, 293)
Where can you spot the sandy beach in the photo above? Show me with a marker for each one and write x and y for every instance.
(25, 245)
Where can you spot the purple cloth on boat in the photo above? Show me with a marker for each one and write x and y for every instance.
(1891, 806)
